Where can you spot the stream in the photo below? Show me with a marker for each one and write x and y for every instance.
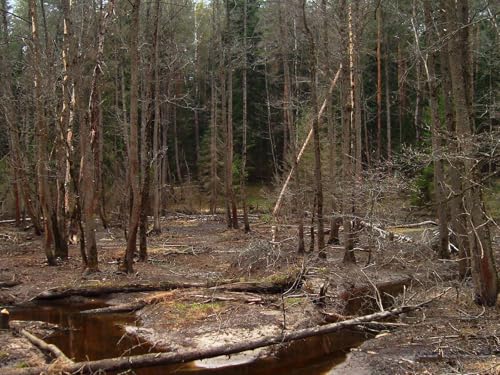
(96, 336)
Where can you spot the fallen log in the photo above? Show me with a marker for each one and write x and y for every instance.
(12, 221)
(42, 345)
(263, 287)
(93, 291)
(386, 234)
(417, 225)
(158, 359)
(122, 308)
(236, 297)
(9, 284)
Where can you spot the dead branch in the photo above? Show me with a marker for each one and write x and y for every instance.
(386, 234)
(42, 345)
(417, 225)
(303, 148)
(122, 308)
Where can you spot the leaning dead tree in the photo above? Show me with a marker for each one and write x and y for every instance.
(281, 195)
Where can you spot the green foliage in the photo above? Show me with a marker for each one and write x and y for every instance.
(424, 187)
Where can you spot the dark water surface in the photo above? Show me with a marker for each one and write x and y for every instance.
(97, 336)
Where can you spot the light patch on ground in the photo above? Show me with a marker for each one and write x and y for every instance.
(232, 336)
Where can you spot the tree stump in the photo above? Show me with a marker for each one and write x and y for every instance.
(4, 319)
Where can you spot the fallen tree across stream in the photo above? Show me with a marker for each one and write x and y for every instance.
(98, 290)
(266, 287)
(159, 359)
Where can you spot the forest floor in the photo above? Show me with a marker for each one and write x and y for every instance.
(231, 300)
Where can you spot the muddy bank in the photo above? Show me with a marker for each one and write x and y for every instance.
(452, 336)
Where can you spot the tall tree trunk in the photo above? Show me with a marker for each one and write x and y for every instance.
(388, 107)
(178, 172)
(379, 81)
(19, 166)
(401, 93)
(146, 157)
(91, 130)
(347, 134)
(66, 120)
(436, 131)
(41, 128)
(128, 260)
(269, 118)
(317, 146)
(453, 184)
(484, 271)
(243, 171)
(156, 126)
(213, 147)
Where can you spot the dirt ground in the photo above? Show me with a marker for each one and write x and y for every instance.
(449, 335)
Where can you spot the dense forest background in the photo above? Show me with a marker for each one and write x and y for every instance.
(121, 109)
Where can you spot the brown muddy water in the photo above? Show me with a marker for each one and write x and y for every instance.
(97, 336)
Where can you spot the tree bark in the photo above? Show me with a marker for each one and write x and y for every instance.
(318, 184)
(436, 131)
(484, 271)
(18, 166)
(41, 128)
(90, 151)
(134, 176)
(156, 126)
(379, 81)
(243, 171)
(347, 134)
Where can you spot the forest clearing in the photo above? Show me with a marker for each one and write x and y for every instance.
(249, 187)
(205, 286)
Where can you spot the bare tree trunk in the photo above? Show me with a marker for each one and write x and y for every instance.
(379, 81)
(454, 186)
(226, 67)
(19, 166)
(146, 155)
(92, 128)
(213, 112)
(228, 156)
(164, 165)
(347, 165)
(156, 126)
(213, 148)
(178, 171)
(388, 107)
(243, 172)
(401, 93)
(436, 130)
(269, 119)
(288, 122)
(484, 271)
(317, 146)
(41, 127)
(128, 260)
